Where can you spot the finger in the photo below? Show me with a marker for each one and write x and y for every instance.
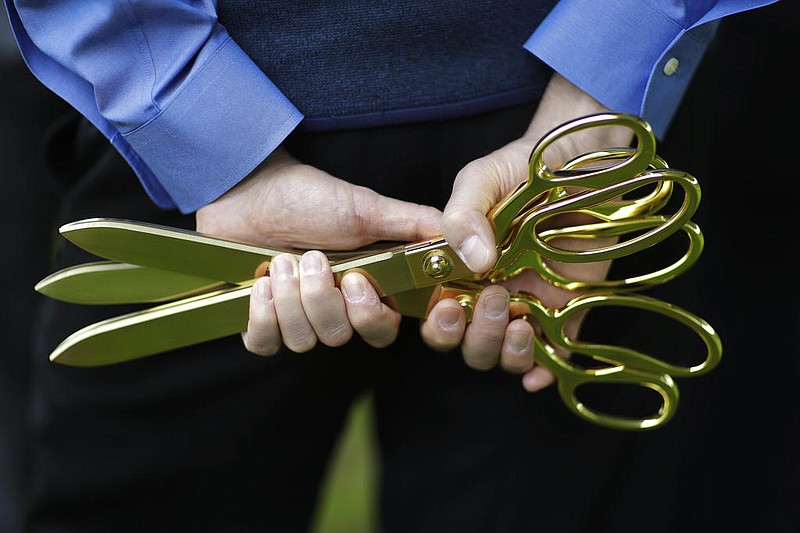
(443, 329)
(484, 336)
(263, 336)
(537, 378)
(464, 222)
(374, 321)
(296, 331)
(516, 354)
(477, 187)
(385, 218)
(322, 301)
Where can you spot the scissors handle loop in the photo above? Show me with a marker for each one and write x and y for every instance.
(529, 242)
(618, 355)
(584, 202)
(621, 208)
(619, 365)
(571, 376)
(542, 178)
(638, 161)
(612, 229)
(571, 379)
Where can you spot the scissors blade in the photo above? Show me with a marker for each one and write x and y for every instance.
(165, 248)
(397, 269)
(180, 324)
(163, 256)
(156, 330)
(108, 282)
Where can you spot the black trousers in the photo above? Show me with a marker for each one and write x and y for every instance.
(215, 439)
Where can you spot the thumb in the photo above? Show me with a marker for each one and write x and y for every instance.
(476, 189)
(389, 219)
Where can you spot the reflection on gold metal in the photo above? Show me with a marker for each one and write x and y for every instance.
(620, 365)
(123, 284)
(437, 264)
(530, 259)
(606, 204)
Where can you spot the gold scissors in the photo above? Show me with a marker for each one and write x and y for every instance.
(613, 365)
(545, 194)
(206, 281)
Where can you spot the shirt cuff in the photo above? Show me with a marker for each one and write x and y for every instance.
(627, 55)
(220, 127)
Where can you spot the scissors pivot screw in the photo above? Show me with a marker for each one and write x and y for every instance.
(437, 264)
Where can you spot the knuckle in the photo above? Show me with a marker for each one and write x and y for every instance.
(455, 218)
(381, 340)
(382, 332)
(516, 364)
(337, 335)
(490, 336)
(361, 322)
(367, 318)
(480, 362)
(444, 330)
(313, 292)
(439, 340)
(262, 348)
(302, 346)
(357, 205)
(472, 170)
(299, 340)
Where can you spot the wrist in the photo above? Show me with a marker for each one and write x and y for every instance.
(562, 102)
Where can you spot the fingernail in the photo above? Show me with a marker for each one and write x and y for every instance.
(262, 290)
(311, 263)
(518, 341)
(283, 268)
(474, 253)
(353, 288)
(449, 318)
(495, 306)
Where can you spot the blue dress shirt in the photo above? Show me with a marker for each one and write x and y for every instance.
(158, 78)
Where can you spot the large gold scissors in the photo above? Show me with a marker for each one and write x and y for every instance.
(205, 282)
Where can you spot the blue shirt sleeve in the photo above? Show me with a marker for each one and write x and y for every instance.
(633, 56)
(164, 82)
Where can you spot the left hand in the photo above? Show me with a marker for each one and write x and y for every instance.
(493, 337)
(286, 203)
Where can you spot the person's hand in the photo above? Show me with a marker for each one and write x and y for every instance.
(492, 337)
(284, 203)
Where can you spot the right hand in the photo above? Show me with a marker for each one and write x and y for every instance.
(284, 203)
(492, 337)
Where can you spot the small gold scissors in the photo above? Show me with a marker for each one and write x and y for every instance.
(205, 282)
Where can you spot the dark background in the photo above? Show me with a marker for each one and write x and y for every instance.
(27, 112)
(732, 452)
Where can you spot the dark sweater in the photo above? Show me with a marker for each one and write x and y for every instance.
(355, 63)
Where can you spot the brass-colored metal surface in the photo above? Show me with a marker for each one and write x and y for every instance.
(528, 238)
(542, 179)
(182, 251)
(170, 249)
(437, 264)
(619, 193)
(181, 323)
(157, 330)
(530, 259)
(621, 366)
(107, 282)
(621, 208)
